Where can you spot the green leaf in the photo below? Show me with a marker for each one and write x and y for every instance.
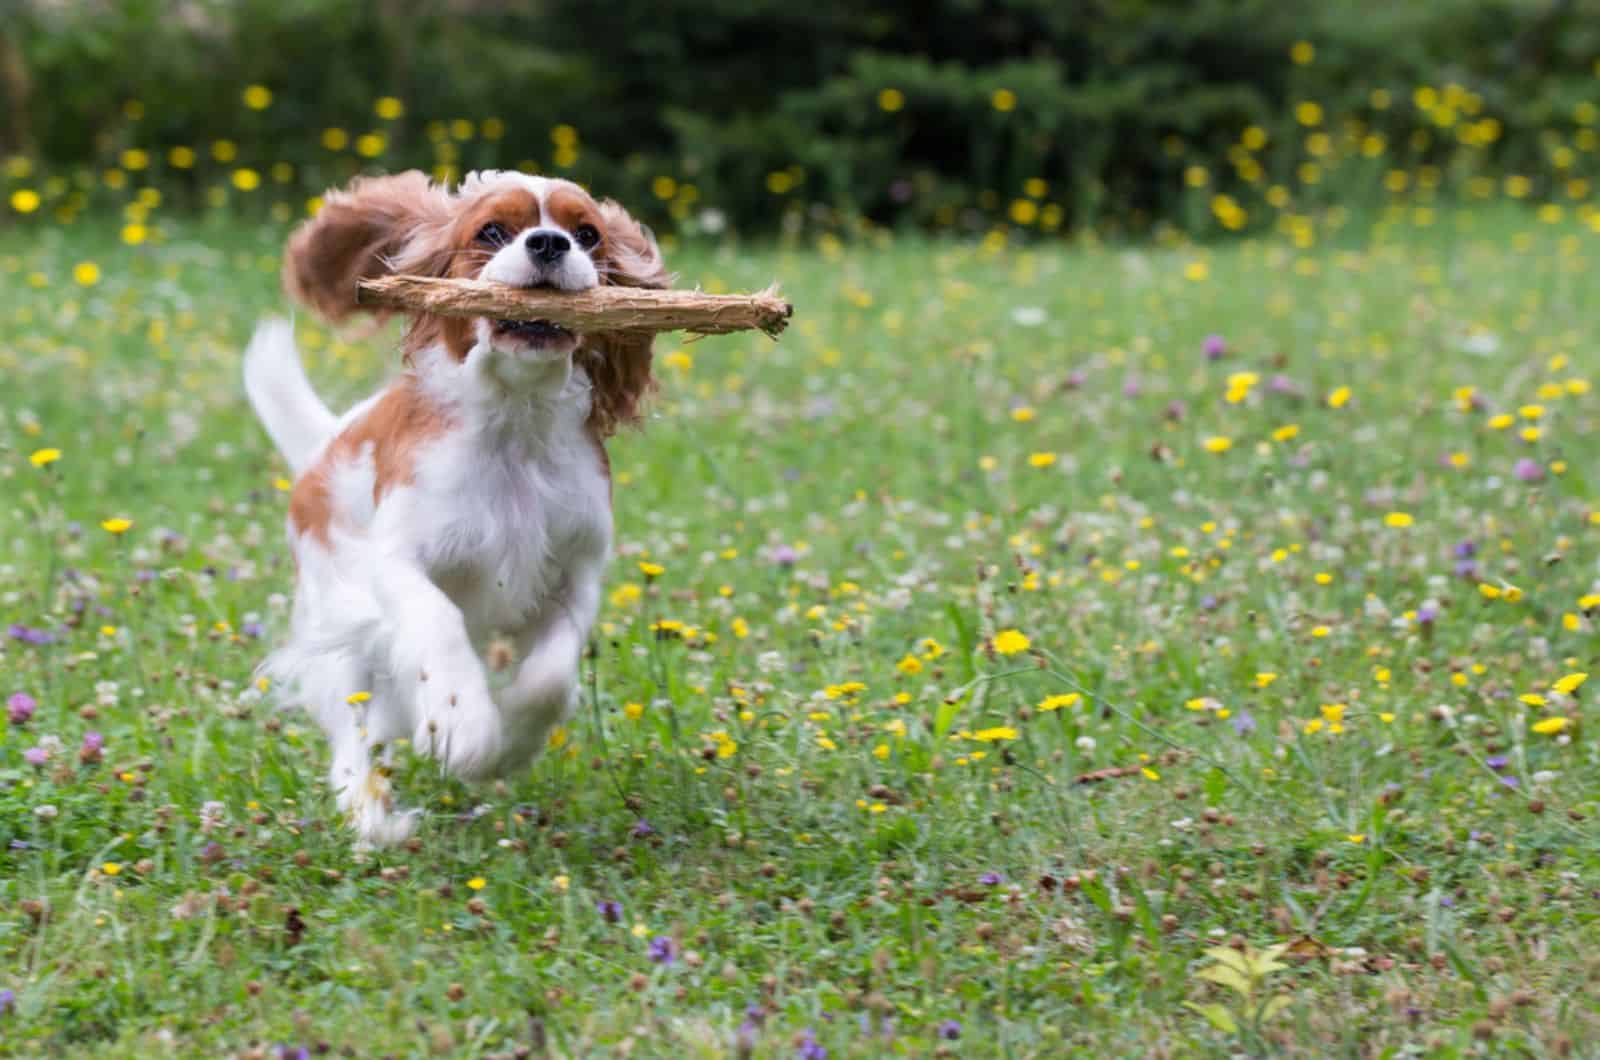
(1231, 957)
(945, 716)
(1274, 1006)
(1223, 975)
(1217, 1015)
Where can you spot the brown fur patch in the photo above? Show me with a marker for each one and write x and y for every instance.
(376, 226)
(396, 426)
(619, 365)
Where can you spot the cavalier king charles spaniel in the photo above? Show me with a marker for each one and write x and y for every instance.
(469, 498)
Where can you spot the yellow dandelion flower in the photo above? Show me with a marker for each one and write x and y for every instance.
(1398, 520)
(1003, 100)
(1570, 683)
(910, 664)
(86, 273)
(1551, 726)
(1339, 398)
(1023, 414)
(357, 698)
(1010, 642)
(389, 108)
(25, 200)
(633, 711)
(44, 457)
(651, 570)
(1057, 702)
(1532, 699)
(477, 883)
(1217, 443)
(1041, 459)
(258, 97)
(111, 868)
(117, 525)
(1287, 432)
(891, 100)
(1149, 774)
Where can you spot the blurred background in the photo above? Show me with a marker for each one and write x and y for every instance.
(763, 116)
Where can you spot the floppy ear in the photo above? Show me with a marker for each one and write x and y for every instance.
(618, 362)
(632, 257)
(376, 226)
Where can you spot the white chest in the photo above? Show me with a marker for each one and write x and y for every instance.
(505, 529)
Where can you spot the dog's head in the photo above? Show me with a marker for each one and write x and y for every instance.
(509, 227)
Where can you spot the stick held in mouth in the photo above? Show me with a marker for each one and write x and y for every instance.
(625, 309)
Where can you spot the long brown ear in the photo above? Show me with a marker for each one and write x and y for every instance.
(619, 369)
(632, 257)
(376, 226)
(619, 363)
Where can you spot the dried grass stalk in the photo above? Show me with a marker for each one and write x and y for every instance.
(627, 309)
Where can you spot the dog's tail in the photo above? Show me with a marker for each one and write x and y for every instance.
(279, 391)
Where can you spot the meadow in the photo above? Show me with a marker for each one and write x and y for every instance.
(1045, 648)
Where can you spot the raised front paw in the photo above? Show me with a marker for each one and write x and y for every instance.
(458, 722)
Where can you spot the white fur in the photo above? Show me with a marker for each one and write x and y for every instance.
(298, 422)
(505, 529)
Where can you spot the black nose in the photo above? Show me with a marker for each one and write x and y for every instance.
(547, 247)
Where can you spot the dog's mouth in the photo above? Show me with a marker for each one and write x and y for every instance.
(537, 332)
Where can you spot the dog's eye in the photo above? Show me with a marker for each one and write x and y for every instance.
(495, 234)
(588, 236)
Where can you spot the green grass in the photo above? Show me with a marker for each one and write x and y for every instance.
(833, 870)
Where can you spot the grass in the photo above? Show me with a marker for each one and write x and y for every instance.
(984, 522)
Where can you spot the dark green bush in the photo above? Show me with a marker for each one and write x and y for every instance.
(945, 113)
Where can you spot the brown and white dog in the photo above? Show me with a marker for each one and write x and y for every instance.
(469, 498)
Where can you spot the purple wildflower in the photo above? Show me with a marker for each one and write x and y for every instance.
(949, 1030)
(1497, 762)
(1467, 568)
(1208, 602)
(93, 745)
(8, 1001)
(1528, 470)
(1244, 722)
(1427, 614)
(1214, 346)
(610, 911)
(36, 756)
(663, 950)
(28, 635)
(293, 1052)
(1511, 782)
(1076, 378)
(254, 630)
(642, 829)
(1464, 549)
(990, 879)
(1130, 387)
(20, 707)
(783, 555)
(810, 1048)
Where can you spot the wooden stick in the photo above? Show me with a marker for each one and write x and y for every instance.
(634, 309)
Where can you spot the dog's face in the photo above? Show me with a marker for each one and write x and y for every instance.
(510, 227)
(531, 232)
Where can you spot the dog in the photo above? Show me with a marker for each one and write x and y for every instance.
(470, 499)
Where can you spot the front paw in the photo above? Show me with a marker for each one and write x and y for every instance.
(459, 724)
